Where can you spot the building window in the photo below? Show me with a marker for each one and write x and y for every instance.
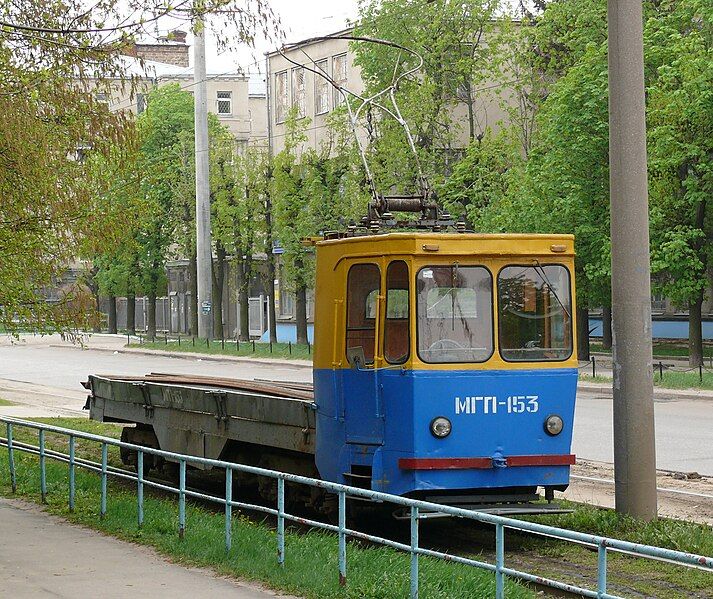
(339, 75)
(140, 103)
(321, 88)
(280, 97)
(225, 103)
(299, 98)
(101, 97)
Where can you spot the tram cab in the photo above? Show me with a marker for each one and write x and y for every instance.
(445, 365)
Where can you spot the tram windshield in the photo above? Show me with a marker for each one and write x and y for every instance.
(454, 314)
(535, 313)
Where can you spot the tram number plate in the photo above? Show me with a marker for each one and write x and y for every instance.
(491, 404)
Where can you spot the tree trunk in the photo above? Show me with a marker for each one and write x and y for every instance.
(695, 326)
(131, 314)
(193, 281)
(471, 113)
(301, 312)
(583, 333)
(151, 329)
(218, 284)
(112, 315)
(94, 289)
(271, 270)
(97, 320)
(695, 332)
(606, 327)
(243, 293)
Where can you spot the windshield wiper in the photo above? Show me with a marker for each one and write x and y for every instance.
(546, 281)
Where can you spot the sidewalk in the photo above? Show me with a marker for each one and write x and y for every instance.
(44, 556)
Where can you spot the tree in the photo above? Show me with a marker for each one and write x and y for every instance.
(451, 39)
(239, 204)
(312, 191)
(53, 57)
(169, 114)
(681, 155)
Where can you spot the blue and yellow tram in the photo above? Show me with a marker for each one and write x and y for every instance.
(444, 365)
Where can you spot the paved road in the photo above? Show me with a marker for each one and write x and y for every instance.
(43, 556)
(684, 432)
(684, 427)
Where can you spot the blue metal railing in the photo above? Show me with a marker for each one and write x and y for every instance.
(416, 507)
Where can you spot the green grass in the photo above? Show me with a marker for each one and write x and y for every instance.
(661, 349)
(670, 380)
(228, 348)
(652, 578)
(5, 402)
(311, 557)
(663, 532)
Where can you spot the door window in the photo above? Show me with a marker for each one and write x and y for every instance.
(396, 323)
(363, 282)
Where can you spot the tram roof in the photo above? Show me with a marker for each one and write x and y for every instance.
(462, 244)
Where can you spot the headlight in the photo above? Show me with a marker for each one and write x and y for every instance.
(440, 427)
(554, 425)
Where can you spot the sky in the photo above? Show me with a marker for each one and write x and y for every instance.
(300, 19)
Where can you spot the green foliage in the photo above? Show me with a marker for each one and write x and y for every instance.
(481, 179)
(680, 141)
(51, 199)
(313, 191)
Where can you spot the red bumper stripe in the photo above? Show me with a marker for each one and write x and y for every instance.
(484, 463)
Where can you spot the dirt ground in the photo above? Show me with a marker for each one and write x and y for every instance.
(681, 495)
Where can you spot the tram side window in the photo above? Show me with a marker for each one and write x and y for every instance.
(454, 314)
(396, 323)
(535, 318)
(363, 283)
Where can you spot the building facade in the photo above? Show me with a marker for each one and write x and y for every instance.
(231, 97)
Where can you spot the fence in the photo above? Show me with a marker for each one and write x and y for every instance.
(415, 507)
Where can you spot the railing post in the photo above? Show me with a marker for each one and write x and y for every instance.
(281, 521)
(71, 473)
(11, 458)
(140, 486)
(602, 570)
(43, 470)
(228, 509)
(414, 555)
(105, 456)
(342, 538)
(499, 561)
(181, 499)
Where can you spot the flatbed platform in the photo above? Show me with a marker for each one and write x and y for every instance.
(199, 414)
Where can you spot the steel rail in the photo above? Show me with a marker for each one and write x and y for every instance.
(603, 544)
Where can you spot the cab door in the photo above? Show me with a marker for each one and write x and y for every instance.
(363, 410)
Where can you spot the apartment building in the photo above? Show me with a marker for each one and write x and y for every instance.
(238, 103)
(297, 85)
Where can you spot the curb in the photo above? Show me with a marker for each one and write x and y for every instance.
(659, 392)
(198, 356)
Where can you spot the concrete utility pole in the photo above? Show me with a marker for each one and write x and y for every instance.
(204, 252)
(634, 438)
